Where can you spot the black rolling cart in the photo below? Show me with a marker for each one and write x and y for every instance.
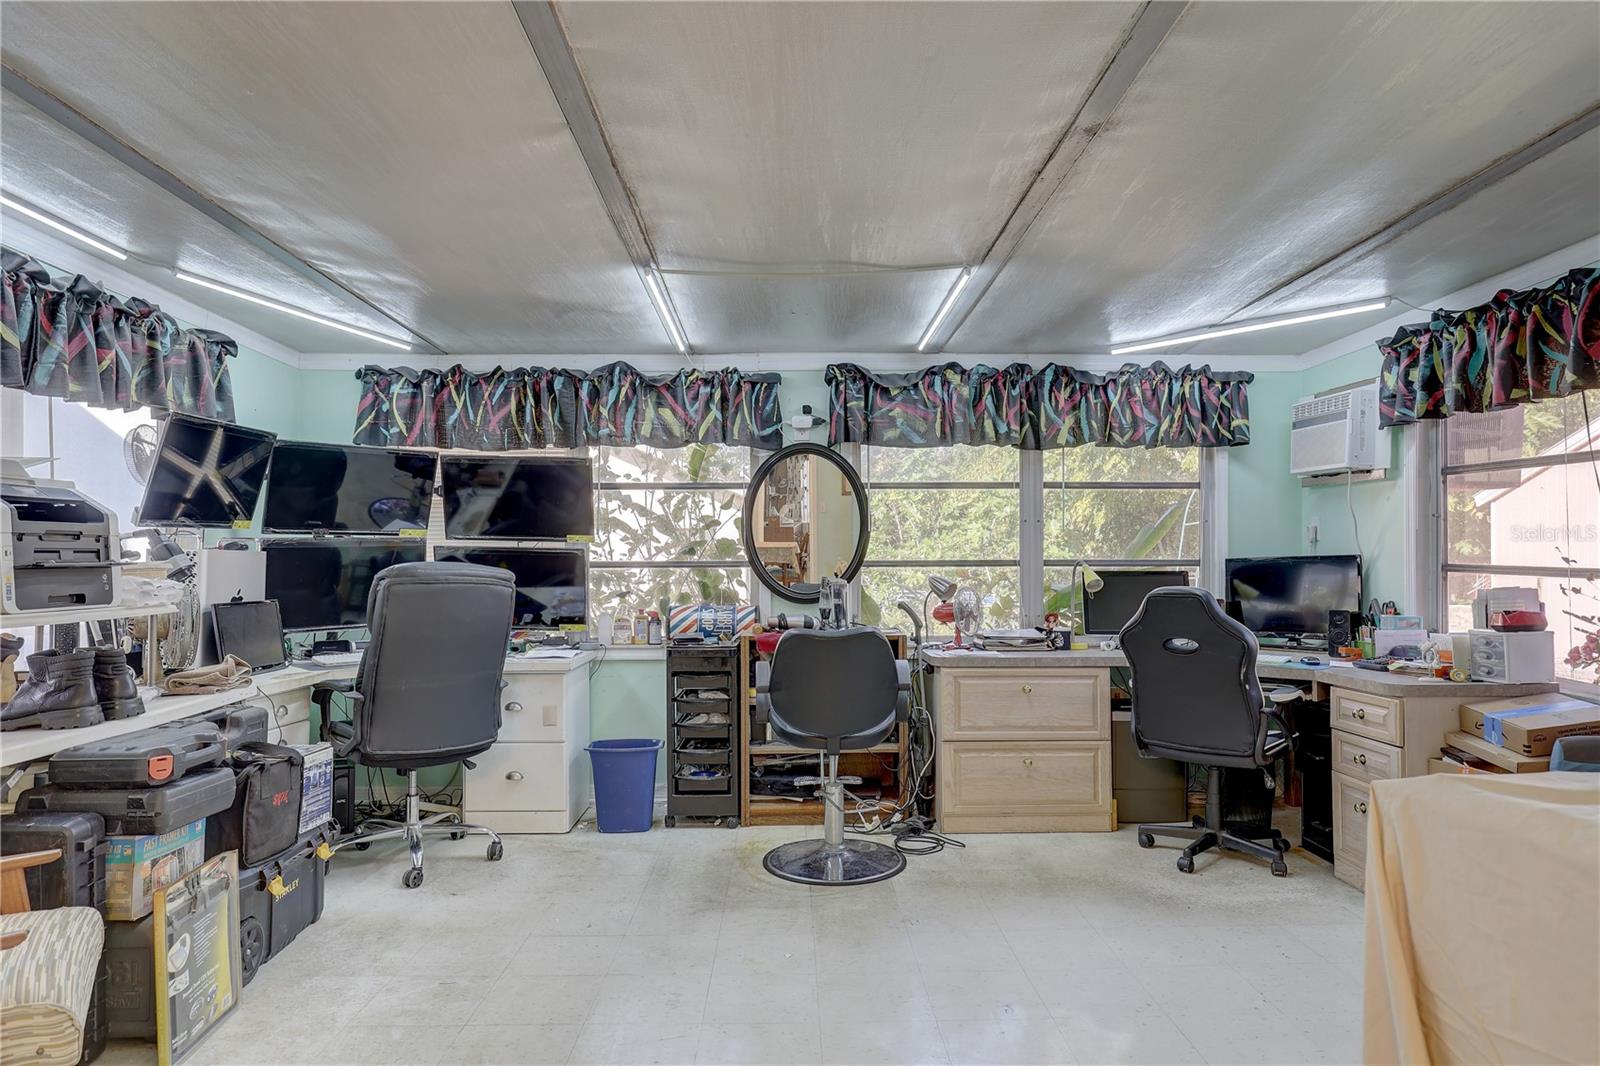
(702, 733)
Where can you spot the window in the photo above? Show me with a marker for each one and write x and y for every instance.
(667, 527)
(954, 512)
(86, 448)
(1521, 491)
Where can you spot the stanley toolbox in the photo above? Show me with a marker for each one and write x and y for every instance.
(148, 757)
(280, 897)
(78, 879)
(140, 811)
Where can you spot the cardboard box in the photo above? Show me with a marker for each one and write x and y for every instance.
(1495, 755)
(136, 867)
(1445, 765)
(316, 789)
(1530, 725)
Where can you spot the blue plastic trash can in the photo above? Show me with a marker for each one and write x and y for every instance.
(624, 784)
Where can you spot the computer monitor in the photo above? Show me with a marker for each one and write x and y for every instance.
(1292, 595)
(1107, 611)
(524, 498)
(250, 629)
(323, 584)
(552, 583)
(347, 489)
(205, 474)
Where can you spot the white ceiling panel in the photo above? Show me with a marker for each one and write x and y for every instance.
(1263, 138)
(48, 168)
(412, 151)
(858, 313)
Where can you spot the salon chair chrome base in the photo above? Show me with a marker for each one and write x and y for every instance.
(833, 860)
(411, 830)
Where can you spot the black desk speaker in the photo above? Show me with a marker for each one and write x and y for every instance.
(1342, 628)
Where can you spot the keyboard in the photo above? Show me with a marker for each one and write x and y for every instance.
(337, 658)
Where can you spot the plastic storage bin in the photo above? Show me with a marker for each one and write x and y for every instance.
(624, 784)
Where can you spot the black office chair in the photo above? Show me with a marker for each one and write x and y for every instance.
(833, 690)
(1196, 699)
(428, 690)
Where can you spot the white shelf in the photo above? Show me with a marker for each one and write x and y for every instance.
(68, 615)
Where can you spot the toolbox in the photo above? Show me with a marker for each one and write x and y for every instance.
(139, 811)
(281, 897)
(77, 880)
(155, 756)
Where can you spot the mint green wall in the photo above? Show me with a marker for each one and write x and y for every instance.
(327, 404)
(266, 392)
(1263, 498)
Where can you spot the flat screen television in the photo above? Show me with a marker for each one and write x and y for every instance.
(525, 498)
(347, 489)
(552, 583)
(323, 584)
(206, 474)
(1292, 595)
(1107, 611)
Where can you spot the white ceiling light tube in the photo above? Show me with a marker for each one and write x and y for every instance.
(658, 296)
(944, 309)
(1253, 327)
(62, 227)
(295, 311)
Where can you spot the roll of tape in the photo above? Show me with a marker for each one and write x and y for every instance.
(1459, 673)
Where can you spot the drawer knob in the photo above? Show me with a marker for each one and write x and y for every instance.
(1027, 761)
(1361, 712)
(515, 775)
(513, 706)
(1362, 759)
(283, 710)
(1361, 807)
(1027, 689)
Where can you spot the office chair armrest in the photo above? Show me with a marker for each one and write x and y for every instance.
(902, 703)
(343, 737)
(322, 693)
(763, 681)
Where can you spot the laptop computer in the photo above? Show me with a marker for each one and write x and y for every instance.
(250, 629)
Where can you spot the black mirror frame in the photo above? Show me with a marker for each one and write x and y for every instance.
(760, 475)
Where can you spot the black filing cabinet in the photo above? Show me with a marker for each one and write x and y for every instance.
(703, 733)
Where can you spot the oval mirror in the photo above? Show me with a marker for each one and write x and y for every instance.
(805, 519)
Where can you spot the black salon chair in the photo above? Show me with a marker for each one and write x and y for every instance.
(833, 690)
(1196, 699)
(428, 690)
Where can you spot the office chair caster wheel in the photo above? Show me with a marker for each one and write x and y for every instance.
(732, 823)
(1280, 868)
(1146, 840)
(458, 835)
(361, 845)
(497, 850)
(669, 821)
(412, 879)
(1186, 863)
(1282, 844)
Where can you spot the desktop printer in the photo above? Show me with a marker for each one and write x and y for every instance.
(58, 548)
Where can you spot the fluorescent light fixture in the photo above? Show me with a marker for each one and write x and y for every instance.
(659, 297)
(295, 311)
(944, 308)
(62, 227)
(1253, 327)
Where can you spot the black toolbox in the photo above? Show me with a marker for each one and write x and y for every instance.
(156, 756)
(78, 879)
(138, 811)
(280, 897)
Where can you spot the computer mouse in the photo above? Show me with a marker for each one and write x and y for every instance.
(1310, 660)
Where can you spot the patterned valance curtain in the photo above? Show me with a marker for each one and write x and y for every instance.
(1039, 408)
(1520, 346)
(536, 407)
(69, 338)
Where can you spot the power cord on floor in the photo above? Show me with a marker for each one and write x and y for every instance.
(916, 836)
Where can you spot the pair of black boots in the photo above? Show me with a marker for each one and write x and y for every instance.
(65, 689)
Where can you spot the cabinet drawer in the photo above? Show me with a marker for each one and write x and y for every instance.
(517, 777)
(1369, 716)
(1350, 801)
(1025, 779)
(530, 709)
(1364, 760)
(1027, 705)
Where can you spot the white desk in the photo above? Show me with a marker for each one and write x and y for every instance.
(536, 779)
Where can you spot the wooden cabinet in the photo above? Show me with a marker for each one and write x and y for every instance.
(1023, 750)
(536, 779)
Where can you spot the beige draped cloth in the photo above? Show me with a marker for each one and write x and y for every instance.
(1483, 919)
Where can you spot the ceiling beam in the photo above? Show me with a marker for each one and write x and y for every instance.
(554, 52)
(80, 124)
(1148, 28)
(1426, 211)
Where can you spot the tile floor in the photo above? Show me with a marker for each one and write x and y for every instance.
(676, 947)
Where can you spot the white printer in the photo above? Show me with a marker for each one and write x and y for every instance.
(58, 548)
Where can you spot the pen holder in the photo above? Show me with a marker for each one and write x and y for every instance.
(1366, 649)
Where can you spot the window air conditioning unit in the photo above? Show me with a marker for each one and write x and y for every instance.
(1337, 431)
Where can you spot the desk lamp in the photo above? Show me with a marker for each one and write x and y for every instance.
(1092, 582)
(943, 588)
